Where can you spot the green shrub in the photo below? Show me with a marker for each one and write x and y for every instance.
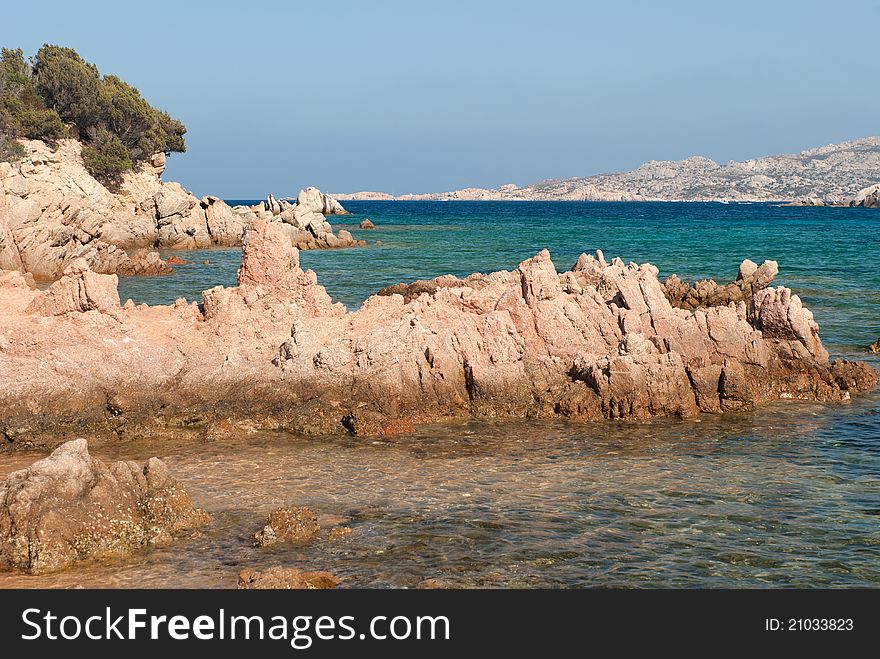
(22, 111)
(10, 150)
(107, 160)
(118, 127)
(68, 84)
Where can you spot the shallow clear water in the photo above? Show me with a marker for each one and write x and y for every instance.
(788, 496)
(785, 496)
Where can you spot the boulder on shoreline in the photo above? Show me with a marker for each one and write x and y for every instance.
(601, 341)
(71, 507)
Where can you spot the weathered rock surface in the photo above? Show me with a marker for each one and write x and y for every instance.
(874, 347)
(367, 224)
(293, 524)
(71, 507)
(286, 578)
(599, 341)
(833, 173)
(53, 211)
(78, 290)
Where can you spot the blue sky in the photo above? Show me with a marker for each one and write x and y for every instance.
(429, 96)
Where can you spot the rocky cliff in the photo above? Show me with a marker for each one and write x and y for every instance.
(601, 340)
(52, 211)
(834, 173)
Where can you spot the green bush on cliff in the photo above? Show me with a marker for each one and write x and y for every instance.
(58, 93)
(10, 150)
(107, 159)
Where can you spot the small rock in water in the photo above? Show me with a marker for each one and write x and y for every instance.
(367, 224)
(288, 525)
(874, 347)
(434, 584)
(286, 578)
(176, 260)
(340, 532)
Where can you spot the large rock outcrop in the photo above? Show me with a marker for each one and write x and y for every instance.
(52, 211)
(71, 507)
(866, 198)
(303, 222)
(599, 341)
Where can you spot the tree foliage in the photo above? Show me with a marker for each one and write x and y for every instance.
(58, 93)
(107, 158)
(22, 110)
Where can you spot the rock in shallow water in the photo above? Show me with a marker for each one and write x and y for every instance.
(286, 578)
(72, 507)
(288, 525)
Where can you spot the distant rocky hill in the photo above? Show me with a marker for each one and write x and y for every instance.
(832, 173)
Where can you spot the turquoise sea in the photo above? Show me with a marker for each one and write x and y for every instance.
(788, 495)
(828, 256)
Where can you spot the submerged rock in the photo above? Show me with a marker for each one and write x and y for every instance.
(286, 578)
(143, 262)
(288, 525)
(71, 507)
(339, 532)
(600, 341)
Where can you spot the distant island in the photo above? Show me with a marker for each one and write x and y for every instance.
(830, 174)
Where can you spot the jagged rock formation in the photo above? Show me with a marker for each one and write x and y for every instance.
(749, 280)
(874, 347)
(599, 341)
(53, 211)
(304, 222)
(834, 172)
(71, 507)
